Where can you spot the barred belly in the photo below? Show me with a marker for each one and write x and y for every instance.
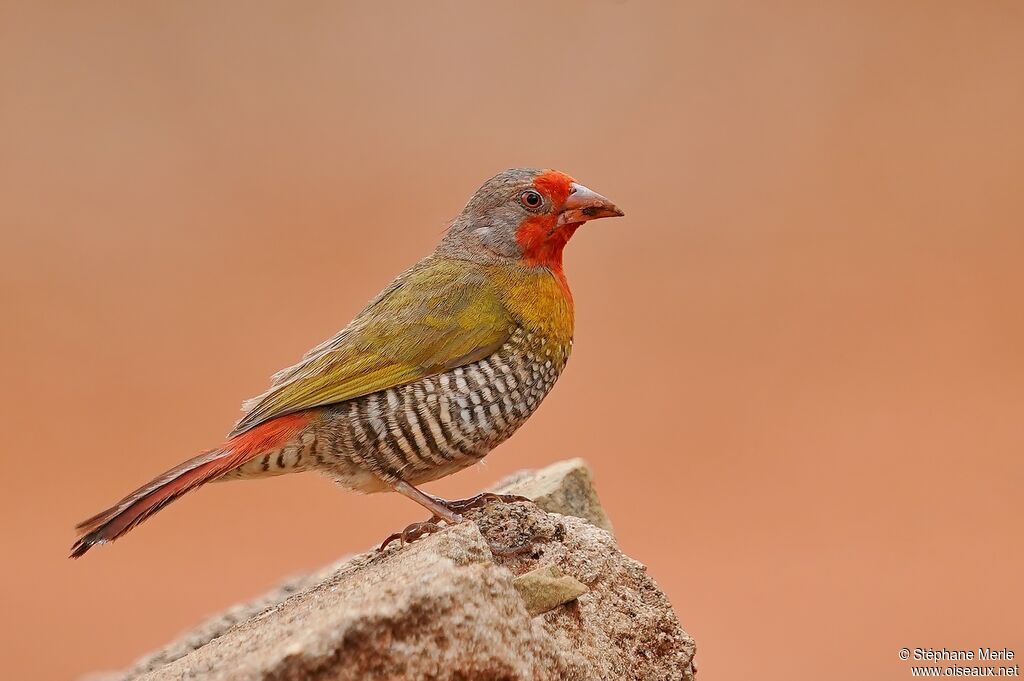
(435, 426)
(427, 429)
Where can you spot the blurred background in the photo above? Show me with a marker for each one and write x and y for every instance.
(813, 304)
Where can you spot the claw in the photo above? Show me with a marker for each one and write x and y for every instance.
(413, 532)
(482, 499)
(510, 551)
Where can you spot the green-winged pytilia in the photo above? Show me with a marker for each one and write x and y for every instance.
(439, 369)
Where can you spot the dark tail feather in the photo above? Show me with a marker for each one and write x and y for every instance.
(150, 498)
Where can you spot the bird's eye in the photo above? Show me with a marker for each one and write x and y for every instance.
(531, 199)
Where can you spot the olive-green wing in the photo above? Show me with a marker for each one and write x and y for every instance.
(439, 315)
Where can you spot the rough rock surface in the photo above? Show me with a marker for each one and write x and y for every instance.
(565, 487)
(448, 608)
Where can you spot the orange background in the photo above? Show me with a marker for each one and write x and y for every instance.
(798, 372)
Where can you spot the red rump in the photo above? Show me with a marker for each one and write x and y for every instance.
(269, 435)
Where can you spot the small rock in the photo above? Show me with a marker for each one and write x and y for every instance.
(546, 588)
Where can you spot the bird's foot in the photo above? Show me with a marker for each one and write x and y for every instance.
(422, 529)
(413, 532)
(478, 501)
(450, 512)
(510, 551)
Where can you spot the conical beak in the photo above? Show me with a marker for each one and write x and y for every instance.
(584, 204)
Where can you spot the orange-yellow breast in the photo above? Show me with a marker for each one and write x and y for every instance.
(539, 300)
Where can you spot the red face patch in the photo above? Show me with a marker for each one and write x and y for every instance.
(555, 185)
(540, 237)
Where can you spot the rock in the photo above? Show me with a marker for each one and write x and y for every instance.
(565, 487)
(447, 607)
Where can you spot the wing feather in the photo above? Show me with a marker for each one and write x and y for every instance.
(439, 315)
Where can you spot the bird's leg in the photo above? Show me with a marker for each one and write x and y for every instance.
(439, 507)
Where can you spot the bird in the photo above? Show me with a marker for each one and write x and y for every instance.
(441, 367)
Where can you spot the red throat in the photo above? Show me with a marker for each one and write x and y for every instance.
(540, 237)
(543, 241)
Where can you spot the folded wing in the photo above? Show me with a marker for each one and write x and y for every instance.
(439, 315)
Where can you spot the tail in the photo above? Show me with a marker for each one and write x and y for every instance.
(145, 501)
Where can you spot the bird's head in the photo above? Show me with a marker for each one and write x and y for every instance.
(526, 215)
